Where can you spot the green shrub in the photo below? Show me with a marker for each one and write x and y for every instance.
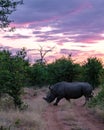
(98, 100)
(92, 70)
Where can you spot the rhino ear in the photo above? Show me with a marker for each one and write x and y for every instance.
(50, 87)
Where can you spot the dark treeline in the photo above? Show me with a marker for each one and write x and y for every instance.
(16, 72)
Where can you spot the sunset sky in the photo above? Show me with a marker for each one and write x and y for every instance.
(70, 26)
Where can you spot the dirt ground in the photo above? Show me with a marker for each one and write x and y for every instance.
(71, 116)
(39, 115)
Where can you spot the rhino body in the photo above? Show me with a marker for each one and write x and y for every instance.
(69, 90)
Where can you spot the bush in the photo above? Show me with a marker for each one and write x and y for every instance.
(63, 70)
(12, 75)
(92, 70)
(98, 100)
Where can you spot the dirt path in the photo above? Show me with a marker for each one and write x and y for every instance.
(51, 118)
(86, 119)
(71, 116)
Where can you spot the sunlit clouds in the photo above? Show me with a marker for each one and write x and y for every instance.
(71, 27)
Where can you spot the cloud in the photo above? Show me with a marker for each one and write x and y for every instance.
(16, 36)
(67, 17)
(67, 52)
(87, 38)
(77, 23)
(42, 10)
(11, 49)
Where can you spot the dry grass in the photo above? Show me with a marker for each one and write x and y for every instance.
(99, 113)
(30, 119)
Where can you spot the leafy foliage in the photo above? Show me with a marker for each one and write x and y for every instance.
(12, 72)
(98, 100)
(16, 72)
(38, 75)
(6, 8)
(101, 77)
(63, 70)
(92, 69)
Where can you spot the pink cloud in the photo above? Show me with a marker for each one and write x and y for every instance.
(57, 16)
(82, 56)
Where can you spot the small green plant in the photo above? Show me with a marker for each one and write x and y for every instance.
(17, 122)
(24, 106)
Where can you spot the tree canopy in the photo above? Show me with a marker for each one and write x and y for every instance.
(92, 71)
(6, 9)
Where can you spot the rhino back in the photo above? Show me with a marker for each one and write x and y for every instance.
(72, 90)
(58, 88)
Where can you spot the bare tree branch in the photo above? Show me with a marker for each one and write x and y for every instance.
(43, 52)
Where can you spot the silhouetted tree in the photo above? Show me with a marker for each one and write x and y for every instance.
(43, 52)
(12, 75)
(6, 8)
(63, 69)
(92, 69)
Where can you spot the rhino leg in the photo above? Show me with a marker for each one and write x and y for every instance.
(68, 99)
(57, 101)
(86, 100)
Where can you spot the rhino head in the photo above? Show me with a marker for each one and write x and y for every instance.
(50, 97)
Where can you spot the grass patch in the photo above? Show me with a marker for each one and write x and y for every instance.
(97, 105)
(98, 100)
(29, 119)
